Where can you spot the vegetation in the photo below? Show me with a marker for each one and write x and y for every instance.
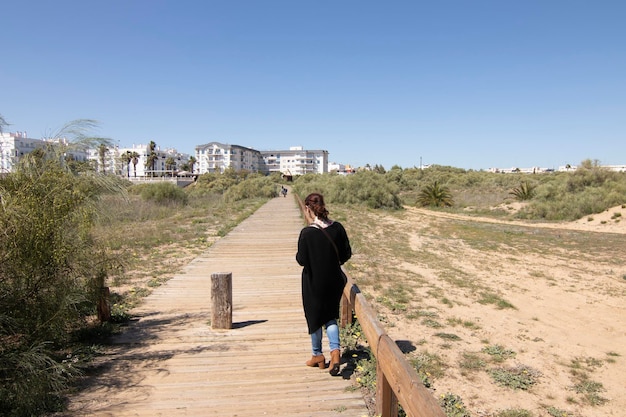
(60, 220)
(435, 195)
(68, 231)
(525, 191)
(51, 272)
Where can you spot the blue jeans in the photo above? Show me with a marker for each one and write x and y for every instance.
(332, 332)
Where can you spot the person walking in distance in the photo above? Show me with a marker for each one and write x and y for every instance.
(323, 246)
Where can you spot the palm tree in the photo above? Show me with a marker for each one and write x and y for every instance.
(170, 164)
(134, 156)
(435, 195)
(126, 158)
(152, 157)
(192, 162)
(102, 152)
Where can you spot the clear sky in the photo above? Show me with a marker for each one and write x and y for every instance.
(471, 84)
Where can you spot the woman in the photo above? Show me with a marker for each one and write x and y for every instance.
(323, 247)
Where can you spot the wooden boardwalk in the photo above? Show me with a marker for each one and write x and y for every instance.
(171, 363)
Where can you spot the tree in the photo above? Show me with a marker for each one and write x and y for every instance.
(435, 195)
(192, 162)
(126, 158)
(102, 153)
(170, 163)
(50, 275)
(135, 158)
(152, 157)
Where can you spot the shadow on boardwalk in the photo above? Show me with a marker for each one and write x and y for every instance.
(170, 362)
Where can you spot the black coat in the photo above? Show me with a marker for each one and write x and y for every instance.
(322, 282)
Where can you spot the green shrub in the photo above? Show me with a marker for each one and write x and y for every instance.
(520, 377)
(50, 276)
(162, 193)
(365, 188)
(525, 191)
(435, 195)
(453, 405)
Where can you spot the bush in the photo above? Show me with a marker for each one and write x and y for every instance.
(50, 276)
(365, 188)
(253, 187)
(162, 193)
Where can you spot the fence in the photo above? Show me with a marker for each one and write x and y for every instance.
(396, 380)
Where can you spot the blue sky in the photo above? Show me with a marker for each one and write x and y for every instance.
(471, 84)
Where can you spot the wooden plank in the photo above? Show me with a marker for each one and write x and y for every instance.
(172, 363)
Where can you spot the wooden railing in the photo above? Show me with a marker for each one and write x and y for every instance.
(397, 381)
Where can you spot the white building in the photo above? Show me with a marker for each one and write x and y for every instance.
(14, 146)
(166, 162)
(217, 157)
(295, 161)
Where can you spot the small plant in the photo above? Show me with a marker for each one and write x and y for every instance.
(498, 353)
(453, 405)
(514, 412)
(491, 298)
(521, 377)
(525, 191)
(428, 366)
(432, 323)
(591, 391)
(556, 412)
(366, 372)
(448, 336)
(471, 361)
(468, 324)
(351, 336)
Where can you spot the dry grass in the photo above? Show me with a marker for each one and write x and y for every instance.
(548, 294)
(155, 241)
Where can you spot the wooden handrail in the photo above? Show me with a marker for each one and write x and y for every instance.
(397, 380)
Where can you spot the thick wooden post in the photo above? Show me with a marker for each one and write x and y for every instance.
(222, 300)
(104, 305)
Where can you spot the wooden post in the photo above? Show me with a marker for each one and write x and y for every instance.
(104, 305)
(345, 311)
(386, 401)
(222, 300)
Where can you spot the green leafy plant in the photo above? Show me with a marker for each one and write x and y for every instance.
(435, 195)
(525, 191)
(514, 412)
(453, 405)
(498, 353)
(520, 377)
(556, 412)
(591, 391)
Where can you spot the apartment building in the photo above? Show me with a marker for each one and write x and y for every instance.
(295, 161)
(217, 157)
(15, 145)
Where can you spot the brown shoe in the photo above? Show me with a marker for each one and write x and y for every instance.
(335, 362)
(317, 360)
